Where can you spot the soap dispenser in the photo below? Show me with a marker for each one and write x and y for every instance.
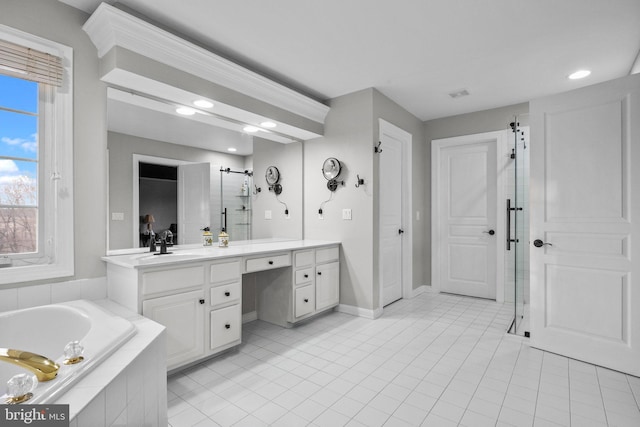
(207, 237)
(223, 239)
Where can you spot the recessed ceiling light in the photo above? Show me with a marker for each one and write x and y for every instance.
(459, 93)
(203, 103)
(233, 150)
(185, 111)
(250, 129)
(268, 125)
(580, 74)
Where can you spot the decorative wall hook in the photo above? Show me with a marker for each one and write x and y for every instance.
(257, 190)
(377, 149)
(359, 182)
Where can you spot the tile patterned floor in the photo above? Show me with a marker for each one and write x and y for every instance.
(435, 360)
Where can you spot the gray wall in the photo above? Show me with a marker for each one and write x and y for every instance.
(288, 159)
(60, 23)
(121, 150)
(348, 137)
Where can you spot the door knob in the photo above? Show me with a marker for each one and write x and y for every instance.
(539, 243)
(490, 232)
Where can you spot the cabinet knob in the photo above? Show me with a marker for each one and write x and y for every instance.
(270, 262)
(227, 326)
(202, 301)
(306, 300)
(319, 273)
(226, 294)
(306, 276)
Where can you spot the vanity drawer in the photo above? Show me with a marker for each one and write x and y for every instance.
(303, 258)
(267, 262)
(327, 254)
(226, 324)
(224, 294)
(225, 271)
(304, 300)
(304, 276)
(161, 281)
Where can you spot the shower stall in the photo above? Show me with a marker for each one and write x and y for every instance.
(236, 189)
(517, 225)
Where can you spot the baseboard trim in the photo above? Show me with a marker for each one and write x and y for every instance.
(250, 317)
(359, 312)
(421, 290)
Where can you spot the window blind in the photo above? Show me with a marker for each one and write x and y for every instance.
(30, 64)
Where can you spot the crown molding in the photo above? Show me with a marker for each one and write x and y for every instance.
(109, 26)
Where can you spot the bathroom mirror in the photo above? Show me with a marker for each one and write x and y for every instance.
(148, 143)
(331, 168)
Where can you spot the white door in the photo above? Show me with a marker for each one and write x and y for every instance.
(585, 203)
(327, 285)
(193, 202)
(466, 219)
(391, 230)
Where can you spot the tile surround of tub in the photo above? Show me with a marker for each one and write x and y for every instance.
(33, 296)
(129, 389)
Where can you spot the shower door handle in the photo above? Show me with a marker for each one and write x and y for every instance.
(509, 210)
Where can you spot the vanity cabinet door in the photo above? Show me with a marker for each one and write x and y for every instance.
(226, 325)
(304, 300)
(327, 285)
(183, 316)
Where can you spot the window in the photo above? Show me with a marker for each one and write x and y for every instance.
(36, 182)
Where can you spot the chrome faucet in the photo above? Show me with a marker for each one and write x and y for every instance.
(44, 369)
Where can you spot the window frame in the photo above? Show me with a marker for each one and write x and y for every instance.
(55, 186)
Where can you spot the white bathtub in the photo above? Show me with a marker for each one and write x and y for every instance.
(47, 329)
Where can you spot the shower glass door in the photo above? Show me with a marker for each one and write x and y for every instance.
(518, 271)
(235, 193)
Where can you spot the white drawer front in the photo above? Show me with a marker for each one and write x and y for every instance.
(225, 271)
(224, 294)
(303, 258)
(169, 280)
(304, 300)
(327, 254)
(226, 324)
(268, 262)
(304, 276)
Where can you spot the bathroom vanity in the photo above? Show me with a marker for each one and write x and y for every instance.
(196, 292)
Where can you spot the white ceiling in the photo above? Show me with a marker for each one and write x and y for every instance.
(415, 52)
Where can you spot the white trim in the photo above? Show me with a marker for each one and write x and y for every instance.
(249, 317)
(407, 219)
(58, 164)
(359, 312)
(500, 138)
(137, 158)
(109, 27)
(421, 290)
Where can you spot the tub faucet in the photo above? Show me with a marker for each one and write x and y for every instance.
(44, 369)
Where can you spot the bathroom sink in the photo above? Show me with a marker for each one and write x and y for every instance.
(174, 256)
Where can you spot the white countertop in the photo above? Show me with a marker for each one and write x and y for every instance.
(191, 253)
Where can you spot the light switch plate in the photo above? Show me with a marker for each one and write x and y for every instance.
(267, 214)
(117, 216)
(346, 213)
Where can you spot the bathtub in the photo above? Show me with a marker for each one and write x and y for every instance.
(47, 329)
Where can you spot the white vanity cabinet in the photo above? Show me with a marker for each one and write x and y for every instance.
(313, 287)
(197, 295)
(225, 297)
